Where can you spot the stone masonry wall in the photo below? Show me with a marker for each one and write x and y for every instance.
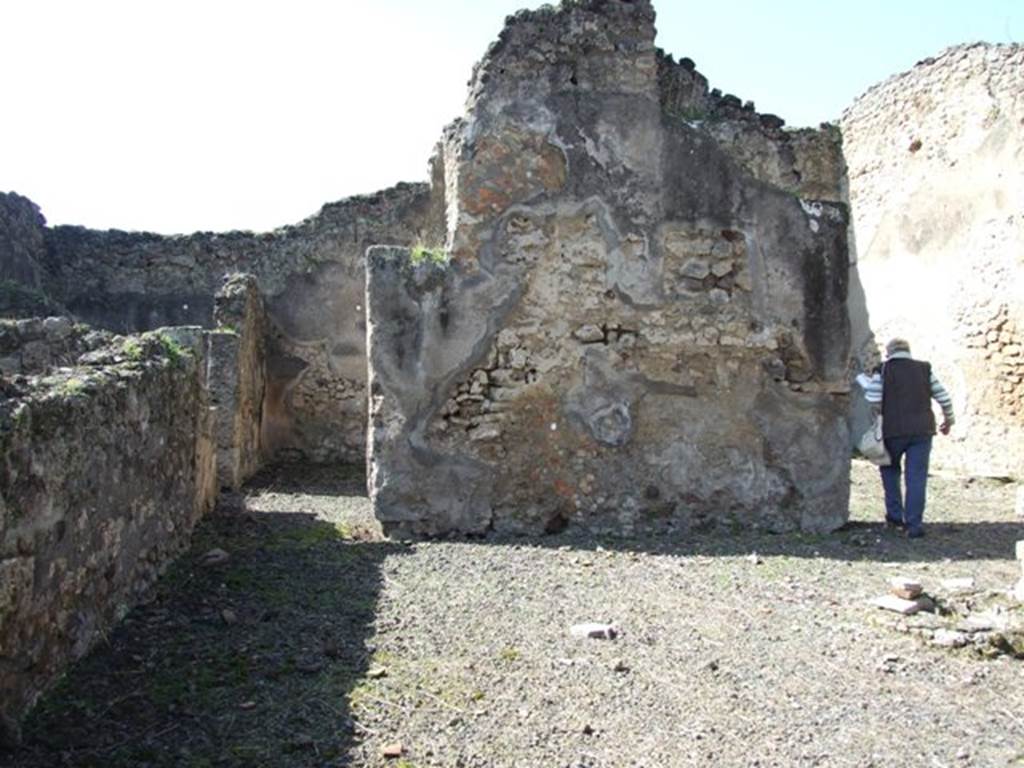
(636, 327)
(237, 379)
(936, 177)
(311, 275)
(34, 345)
(807, 162)
(104, 469)
(22, 251)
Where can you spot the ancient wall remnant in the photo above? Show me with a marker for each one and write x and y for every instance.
(237, 378)
(36, 344)
(311, 276)
(638, 326)
(105, 466)
(22, 251)
(937, 195)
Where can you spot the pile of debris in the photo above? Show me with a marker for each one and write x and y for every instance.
(960, 614)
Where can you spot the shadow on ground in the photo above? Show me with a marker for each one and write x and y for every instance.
(254, 662)
(246, 663)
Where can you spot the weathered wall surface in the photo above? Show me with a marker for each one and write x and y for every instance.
(936, 159)
(104, 469)
(237, 379)
(311, 275)
(807, 162)
(34, 345)
(638, 327)
(22, 251)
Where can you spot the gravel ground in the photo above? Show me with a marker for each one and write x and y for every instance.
(319, 644)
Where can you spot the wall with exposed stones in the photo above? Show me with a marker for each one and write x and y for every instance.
(105, 466)
(311, 275)
(34, 345)
(936, 187)
(639, 325)
(237, 379)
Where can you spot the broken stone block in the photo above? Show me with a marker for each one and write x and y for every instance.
(57, 327)
(949, 638)
(696, 269)
(588, 334)
(896, 604)
(722, 268)
(908, 589)
(392, 751)
(484, 432)
(215, 556)
(594, 630)
(960, 584)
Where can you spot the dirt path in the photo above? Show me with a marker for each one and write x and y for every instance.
(318, 644)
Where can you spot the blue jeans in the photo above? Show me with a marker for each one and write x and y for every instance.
(911, 510)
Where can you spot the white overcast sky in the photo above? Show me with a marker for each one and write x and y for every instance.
(181, 115)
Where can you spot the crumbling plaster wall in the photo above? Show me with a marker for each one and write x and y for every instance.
(311, 275)
(639, 325)
(936, 188)
(105, 466)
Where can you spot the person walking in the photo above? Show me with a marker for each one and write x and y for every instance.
(904, 388)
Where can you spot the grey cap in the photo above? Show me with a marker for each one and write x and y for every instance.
(897, 345)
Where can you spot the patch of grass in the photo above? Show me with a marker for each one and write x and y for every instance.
(71, 387)
(172, 349)
(132, 349)
(312, 536)
(420, 254)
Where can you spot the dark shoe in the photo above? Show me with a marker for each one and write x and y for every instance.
(915, 533)
(894, 524)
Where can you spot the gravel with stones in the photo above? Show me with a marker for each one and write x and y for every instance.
(317, 643)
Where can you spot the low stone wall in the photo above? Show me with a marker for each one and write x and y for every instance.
(237, 379)
(105, 468)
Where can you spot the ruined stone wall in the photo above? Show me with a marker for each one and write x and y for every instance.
(104, 469)
(22, 251)
(34, 345)
(312, 278)
(638, 326)
(936, 187)
(237, 379)
(807, 162)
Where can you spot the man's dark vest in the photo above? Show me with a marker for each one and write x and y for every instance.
(907, 398)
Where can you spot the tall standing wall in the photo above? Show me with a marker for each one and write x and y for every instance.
(643, 321)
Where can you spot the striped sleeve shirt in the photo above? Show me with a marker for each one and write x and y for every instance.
(872, 386)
